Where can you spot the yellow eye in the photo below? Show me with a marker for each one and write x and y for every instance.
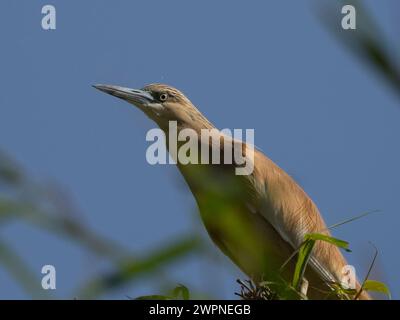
(163, 97)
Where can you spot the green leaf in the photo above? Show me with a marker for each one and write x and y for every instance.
(343, 293)
(182, 291)
(302, 260)
(337, 242)
(305, 252)
(373, 285)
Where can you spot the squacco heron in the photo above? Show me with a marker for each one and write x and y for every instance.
(257, 220)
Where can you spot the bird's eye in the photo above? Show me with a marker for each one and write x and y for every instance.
(163, 97)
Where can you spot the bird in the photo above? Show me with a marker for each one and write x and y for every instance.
(257, 220)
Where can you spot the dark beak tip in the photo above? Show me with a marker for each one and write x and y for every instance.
(103, 88)
(98, 86)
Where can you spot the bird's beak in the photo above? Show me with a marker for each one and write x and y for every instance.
(138, 97)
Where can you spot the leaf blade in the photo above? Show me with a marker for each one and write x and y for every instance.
(323, 237)
(377, 286)
(302, 261)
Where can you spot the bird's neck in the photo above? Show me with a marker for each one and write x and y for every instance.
(176, 133)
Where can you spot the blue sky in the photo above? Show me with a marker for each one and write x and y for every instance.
(317, 111)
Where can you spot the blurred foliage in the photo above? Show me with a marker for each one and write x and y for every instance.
(368, 42)
(41, 206)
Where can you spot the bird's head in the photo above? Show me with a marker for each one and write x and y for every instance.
(161, 103)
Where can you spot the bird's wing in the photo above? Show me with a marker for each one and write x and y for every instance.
(284, 204)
